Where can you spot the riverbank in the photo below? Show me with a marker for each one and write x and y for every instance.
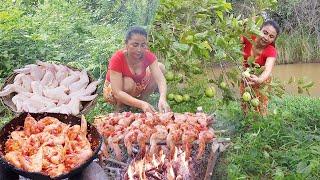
(284, 72)
(285, 144)
(300, 71)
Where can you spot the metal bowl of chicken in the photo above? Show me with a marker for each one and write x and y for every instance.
(93, 136)
(11, 79)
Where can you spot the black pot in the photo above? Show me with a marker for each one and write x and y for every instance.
(93, 136)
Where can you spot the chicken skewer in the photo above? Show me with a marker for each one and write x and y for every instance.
(171, 129)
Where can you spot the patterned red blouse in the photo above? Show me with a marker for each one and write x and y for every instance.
(269, 51)
(119, 64)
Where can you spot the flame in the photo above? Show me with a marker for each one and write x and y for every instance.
(138, 169)
(175, 154)
(154, 161)
(170, 175)
(130, 172)
(184, 163)
(162, 157)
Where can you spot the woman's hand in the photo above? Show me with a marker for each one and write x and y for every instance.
(253, 80)
(163, 106)
(146, 107)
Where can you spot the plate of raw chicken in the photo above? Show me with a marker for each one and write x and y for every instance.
(48, 87)
(48, 145)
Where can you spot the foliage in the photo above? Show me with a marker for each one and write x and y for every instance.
(58, 31)
(284, 144)
(298, 47)
(100, 108)
(66, 32)
(127, 13)
(299, 21)
(190, 39)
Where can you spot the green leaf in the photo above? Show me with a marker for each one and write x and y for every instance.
(300, 90)
(251, 60)
(259, 21)
(315, 150)
(227, 6)
(206, 45)
(234, 23)
(221, 42)
(308, 85)
(189, 39)
(255, 31)
(181, 46)
(201, 35)
(291, 80)
(303, 168)
(205, 53)
(220, 15)
(278, 175)
(266, 154)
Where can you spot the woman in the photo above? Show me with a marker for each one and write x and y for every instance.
(134, 73)
(265, 53)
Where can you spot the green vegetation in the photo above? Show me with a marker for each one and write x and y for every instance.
(189, 40)
(284, 145)
(297, 47)
(299, 21)
(81, 34)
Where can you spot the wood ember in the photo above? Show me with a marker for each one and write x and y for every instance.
(117, 162)
(197, 168)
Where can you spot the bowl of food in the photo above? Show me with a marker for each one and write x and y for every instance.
(48, 145)
(48, 87)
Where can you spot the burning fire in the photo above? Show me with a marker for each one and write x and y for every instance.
(160, 167)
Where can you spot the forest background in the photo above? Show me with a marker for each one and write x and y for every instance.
(190, 40)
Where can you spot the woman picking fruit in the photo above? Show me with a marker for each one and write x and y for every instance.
(264, 53)
(134, 73)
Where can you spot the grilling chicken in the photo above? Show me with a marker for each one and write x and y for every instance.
(172, 129)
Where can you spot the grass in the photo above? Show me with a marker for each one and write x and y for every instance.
(284, 145)
(297, 47)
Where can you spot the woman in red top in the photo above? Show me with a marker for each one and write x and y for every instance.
(265, 54)
(134, 73)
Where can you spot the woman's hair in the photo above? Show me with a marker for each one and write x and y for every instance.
(272, 23)
(275, 25)
(136, 30)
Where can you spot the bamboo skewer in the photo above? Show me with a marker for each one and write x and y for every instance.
(113, 168)
(212, 160)
(117, 162)
(220, 140)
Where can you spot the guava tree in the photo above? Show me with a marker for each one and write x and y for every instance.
(193, 36)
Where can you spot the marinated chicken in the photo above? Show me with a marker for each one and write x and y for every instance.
(48, 146)
(144, 129)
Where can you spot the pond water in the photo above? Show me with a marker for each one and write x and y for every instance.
(308, 71)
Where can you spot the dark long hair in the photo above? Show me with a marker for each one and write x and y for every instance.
(136, 30)
(275, 25)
